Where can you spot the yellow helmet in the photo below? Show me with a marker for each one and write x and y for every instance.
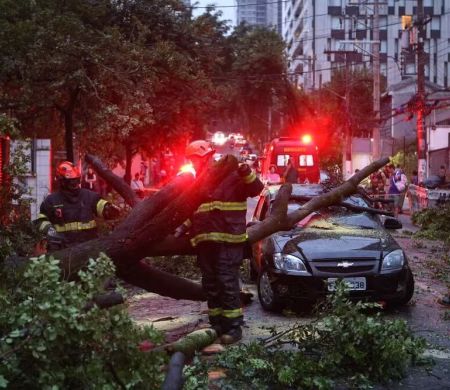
(199, 148)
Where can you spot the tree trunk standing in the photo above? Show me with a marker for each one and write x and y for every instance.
(67, 113)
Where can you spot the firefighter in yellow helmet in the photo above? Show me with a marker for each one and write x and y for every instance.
(67, 216)
(218, 233)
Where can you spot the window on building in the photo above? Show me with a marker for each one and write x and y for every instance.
(436, 23)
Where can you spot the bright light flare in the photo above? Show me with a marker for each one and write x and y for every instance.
(219, 138)
(306, 139)
(187, 168)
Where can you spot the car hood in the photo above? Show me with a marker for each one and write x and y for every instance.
(335, 243)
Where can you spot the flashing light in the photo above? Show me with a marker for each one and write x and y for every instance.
(306, 139)
(187, 168)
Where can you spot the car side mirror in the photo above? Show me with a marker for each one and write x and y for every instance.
(392, 223)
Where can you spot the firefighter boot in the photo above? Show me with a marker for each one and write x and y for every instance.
(216, 325)
(232, 336)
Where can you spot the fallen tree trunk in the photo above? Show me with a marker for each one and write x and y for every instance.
(147, 230)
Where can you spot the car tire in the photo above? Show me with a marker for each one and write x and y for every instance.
(267, 296)
(408, 293)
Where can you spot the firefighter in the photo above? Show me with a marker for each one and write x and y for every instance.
(67, 216)
(218, 234)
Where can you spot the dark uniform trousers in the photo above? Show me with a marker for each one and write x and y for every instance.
(219, 263)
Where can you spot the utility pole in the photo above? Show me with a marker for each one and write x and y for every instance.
(421, 136)
(376, 82)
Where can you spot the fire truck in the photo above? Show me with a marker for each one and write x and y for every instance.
(302, 151)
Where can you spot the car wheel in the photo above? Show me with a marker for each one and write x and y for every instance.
(267, 296)
(409, 292)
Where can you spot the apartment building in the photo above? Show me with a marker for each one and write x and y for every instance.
(324, 35)
(260, 13)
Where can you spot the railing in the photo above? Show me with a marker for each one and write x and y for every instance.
(422, 198)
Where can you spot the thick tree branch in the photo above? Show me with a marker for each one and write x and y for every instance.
(115, 181)
(278, 221)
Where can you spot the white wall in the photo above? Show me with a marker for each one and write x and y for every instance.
(438, 139)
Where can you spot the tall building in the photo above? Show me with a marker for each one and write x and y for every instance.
(324, 35)
(260, 13)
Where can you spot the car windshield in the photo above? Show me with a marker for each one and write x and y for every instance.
(331, 216)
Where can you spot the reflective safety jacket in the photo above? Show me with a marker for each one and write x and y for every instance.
(72, 216)
(222, 217)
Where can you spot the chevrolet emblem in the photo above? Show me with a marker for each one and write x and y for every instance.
(344, 264)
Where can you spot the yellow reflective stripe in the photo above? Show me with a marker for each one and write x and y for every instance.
(100, 206)
(249, 178)
(224, 206)
(74, 226)
(233, 313)
(44, 225)
(215, 236)
(217, 311)
(42, 216)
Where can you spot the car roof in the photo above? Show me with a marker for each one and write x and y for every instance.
(298, 190)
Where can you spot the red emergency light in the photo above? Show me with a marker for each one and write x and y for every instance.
(306, 139)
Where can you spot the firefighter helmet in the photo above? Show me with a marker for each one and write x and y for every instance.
(199, 148)
(67, 170)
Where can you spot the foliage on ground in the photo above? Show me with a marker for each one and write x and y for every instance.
(50, 339)
(346, 343)
(434, 223)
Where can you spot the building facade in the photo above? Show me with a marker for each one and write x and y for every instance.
(260, 13)
(325, 35)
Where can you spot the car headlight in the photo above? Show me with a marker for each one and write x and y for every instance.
(289, 263)
(393, 260)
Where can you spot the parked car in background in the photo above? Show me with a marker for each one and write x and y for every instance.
(340, 242)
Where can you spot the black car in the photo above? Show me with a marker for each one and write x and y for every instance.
(303, 264)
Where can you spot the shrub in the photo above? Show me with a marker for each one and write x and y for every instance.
(434, 223)
(50, 339)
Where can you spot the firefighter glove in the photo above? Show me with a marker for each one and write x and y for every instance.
(244, 170)
(54, 238)
(111, 211)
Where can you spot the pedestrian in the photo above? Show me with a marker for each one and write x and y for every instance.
(273, 177)
(218, 234)
(90, 180)
(67, 216)
(290, 175)
(137, 185)
(397, 190)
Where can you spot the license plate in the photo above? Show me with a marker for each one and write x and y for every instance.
(354, 284)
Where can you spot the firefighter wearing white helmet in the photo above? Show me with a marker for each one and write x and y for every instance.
(218, 233)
